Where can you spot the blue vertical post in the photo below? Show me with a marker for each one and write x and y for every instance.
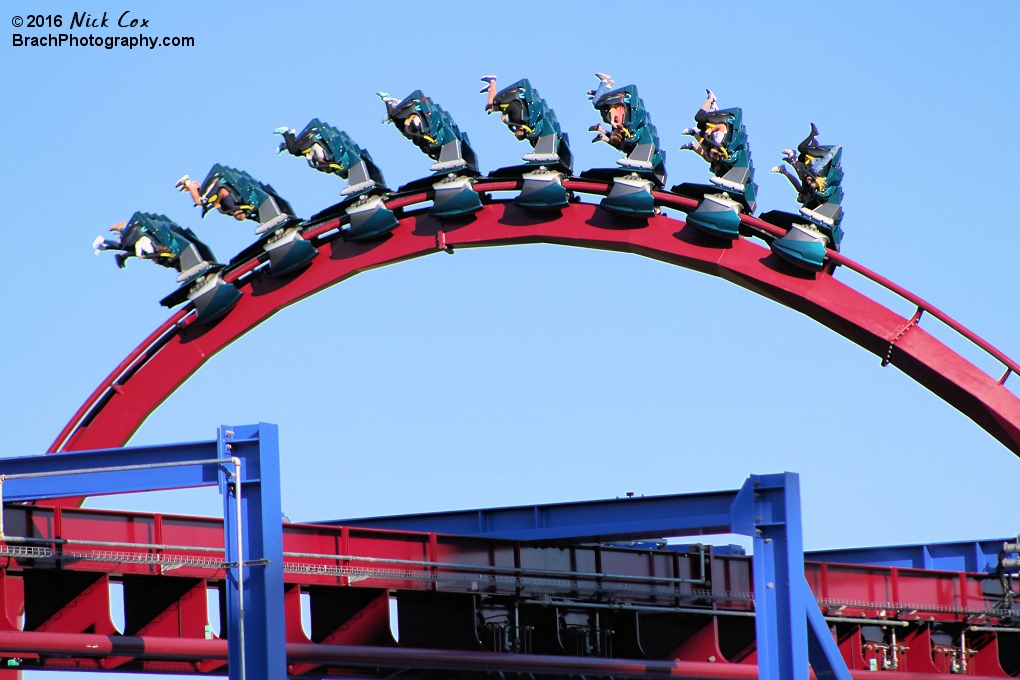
(767, 508)
(263, 654)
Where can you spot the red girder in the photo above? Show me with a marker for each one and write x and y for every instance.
(178, 348)
(166, 563)
(109, 542)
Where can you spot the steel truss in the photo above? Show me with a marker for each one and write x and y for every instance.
(505, 571)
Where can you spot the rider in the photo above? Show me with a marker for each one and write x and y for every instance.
(235, 192)
(513, 114)
(222, 200)
(809, 160)
(528, 116)
(143, 247)
(332, 151)
(813, 156)
(433, 131)
(615, 115)
(412, 127)
(308, 148)
(630, 128)
(710, 135)
(149, 236)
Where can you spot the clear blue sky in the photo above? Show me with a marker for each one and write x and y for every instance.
(533, 373)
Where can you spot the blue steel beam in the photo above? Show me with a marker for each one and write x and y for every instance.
(791, 631)
(768, 509)
(265, 636)
(970, 556)
(107, 483)
(194, 465)
(608, 520)
(823, 652)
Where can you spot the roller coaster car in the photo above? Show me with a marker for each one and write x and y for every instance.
(158, 238)
(804, 244)
(211, 296)
(279, 229)
(332, 151)
(644, 167)
(718, 212)
(817, 227)
(529, 117)
(433, 131)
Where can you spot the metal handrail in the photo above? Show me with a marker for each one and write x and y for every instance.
(923, 305)
(508, 570)
(839, 258)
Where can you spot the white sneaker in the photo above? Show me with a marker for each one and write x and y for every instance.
(690, 131)
(778, 169)
(605, 78)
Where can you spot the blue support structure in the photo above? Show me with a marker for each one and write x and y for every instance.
(823, 653)
(618, 519)
(261, 518)
(178, 466)
(791, 631)
(971, 556)
(768, 510)
(244, 463)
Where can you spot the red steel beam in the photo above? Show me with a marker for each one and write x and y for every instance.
(122, 402)
(861, 589)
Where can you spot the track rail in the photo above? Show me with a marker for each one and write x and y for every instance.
(178, 348)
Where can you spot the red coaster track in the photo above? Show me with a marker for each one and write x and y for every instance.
(179, 347)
